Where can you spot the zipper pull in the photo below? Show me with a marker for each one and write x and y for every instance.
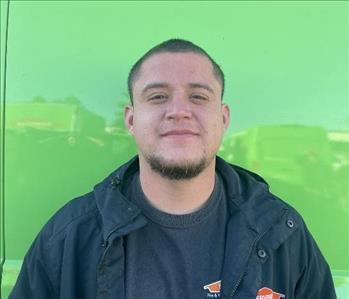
(104, 244)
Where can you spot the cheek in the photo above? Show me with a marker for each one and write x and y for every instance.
(215, 124)
(216, 132)
(144, 125)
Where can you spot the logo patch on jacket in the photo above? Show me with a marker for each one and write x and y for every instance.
(266, 293)
(214, 289)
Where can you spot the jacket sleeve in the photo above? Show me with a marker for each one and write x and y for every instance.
(315, 281)
(33, 280)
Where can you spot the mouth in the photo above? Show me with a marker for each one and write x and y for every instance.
(179, 133)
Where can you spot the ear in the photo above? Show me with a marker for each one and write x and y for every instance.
(226, 115)
(128, 118)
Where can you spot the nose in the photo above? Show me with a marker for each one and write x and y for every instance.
(178, 107)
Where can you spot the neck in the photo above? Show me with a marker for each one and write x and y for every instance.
(177, 196)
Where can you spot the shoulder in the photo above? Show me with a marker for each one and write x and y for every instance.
(79, 213)
(268, 215)
(89, 214)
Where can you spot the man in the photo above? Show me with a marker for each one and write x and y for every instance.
(176, 221)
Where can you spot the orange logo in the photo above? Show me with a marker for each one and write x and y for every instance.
(266, 293)
(214, 287)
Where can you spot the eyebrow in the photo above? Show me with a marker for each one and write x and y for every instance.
(165, 85)
(201, 85)
(154, 85)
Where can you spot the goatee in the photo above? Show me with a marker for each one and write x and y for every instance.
(176, 171)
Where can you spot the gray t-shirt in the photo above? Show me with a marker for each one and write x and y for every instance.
(176, 256)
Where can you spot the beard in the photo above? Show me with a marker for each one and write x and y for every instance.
(177, 171)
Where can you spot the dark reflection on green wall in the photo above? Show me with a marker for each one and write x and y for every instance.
(309, 168)
(55, 150)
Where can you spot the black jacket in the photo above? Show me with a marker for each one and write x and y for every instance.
(80, 254)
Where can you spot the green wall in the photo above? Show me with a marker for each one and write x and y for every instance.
(286, 66)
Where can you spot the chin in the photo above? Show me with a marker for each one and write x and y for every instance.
(181, 159)
(177, 168)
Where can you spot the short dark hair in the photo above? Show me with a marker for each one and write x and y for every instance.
(172, 46)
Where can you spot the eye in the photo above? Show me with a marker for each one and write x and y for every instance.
(199, 97)
(157, 97)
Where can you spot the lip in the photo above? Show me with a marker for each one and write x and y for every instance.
(179, 133)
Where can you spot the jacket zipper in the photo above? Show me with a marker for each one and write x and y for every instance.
(105, 245)
(244, 272)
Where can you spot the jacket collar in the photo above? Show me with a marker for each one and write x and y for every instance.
(245, 190)
(249, 194)
(115, 209)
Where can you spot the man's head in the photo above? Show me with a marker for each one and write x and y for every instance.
(177, 117)
(173, 46)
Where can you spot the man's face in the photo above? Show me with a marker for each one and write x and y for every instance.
(177, 118)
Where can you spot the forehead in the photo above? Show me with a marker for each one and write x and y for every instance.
(177, 68)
